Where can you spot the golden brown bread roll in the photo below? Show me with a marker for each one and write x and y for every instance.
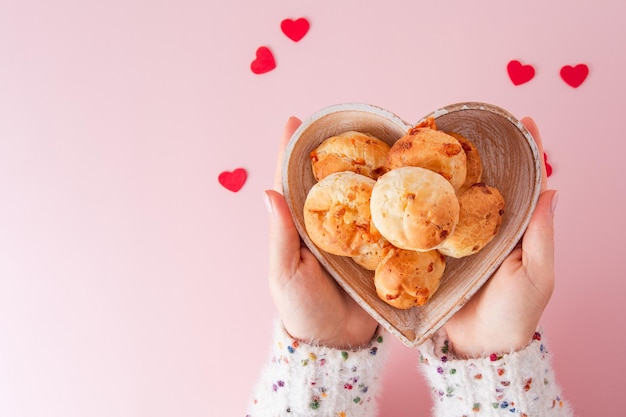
(405, 278)
(480, 218)
(350, 151)
(371, 254)
(337, 213)
(431, 149)
(474, 171)
(414, 208)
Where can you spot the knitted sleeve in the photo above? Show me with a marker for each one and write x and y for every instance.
(314, 381)
(521, 383)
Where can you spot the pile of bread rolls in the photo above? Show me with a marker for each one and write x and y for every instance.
(400, 210)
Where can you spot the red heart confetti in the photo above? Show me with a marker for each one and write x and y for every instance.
(234, 180)
(264, 61)
(520, 73)
(295, 29)
(548, 166)
(574, 76)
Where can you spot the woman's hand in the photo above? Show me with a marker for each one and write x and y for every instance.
(503, 315)
(312, 307)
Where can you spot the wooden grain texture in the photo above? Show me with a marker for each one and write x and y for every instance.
(511, 163)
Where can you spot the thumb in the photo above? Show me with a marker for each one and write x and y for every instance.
(284, 238)
(538, 240)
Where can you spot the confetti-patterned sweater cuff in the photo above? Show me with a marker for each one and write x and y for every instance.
(521, 383)
(304, 380)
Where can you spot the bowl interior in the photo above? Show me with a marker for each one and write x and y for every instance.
(511, 163)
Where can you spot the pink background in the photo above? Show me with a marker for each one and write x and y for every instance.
(133, 284)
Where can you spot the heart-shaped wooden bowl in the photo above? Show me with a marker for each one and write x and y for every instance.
(511, 163)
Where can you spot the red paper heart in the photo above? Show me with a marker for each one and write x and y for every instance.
(548, 166)
(295, 29)
(264, 61)
(520, 73)
(574, 76)
(234, 180)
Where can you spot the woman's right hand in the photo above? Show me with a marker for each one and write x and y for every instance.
(312, 306)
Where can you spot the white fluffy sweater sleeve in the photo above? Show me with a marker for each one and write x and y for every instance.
(303, 380)
(518, 384)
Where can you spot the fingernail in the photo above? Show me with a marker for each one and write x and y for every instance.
(268, 202)
(555, 200)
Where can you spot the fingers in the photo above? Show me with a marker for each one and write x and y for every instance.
(290, 127)
(284, 242)
(531, 126)
(538, 241)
